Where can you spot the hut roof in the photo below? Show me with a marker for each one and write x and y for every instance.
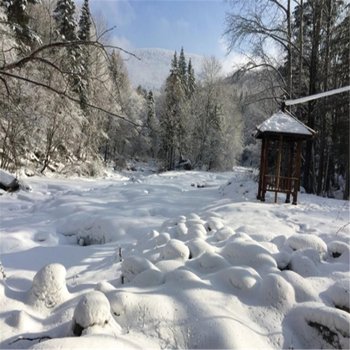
(283, 123)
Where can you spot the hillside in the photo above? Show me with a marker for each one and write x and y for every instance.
(153, 67)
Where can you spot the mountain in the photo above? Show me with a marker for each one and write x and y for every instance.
(153, 67)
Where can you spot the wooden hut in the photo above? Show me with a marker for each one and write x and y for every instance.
(282, 136)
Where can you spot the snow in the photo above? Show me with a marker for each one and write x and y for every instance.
(284, 123)
(6, 178)
(158, 263)
(49, 286)
(153, 67)
(317, 96)
(93, 315)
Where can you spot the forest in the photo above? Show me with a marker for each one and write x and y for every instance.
(67, 105)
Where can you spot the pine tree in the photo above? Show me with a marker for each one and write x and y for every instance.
(64, 16)
(150, 109)
(119, 75)
(191, 81)
(17, 15)
(174, 65)
(172, 123)
(85, 22)
(83, 56)
(65, 22)
(151, 124)
(183, 69)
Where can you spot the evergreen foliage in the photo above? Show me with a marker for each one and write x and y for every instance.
(152, 127)
(171, 120)
(84, 32)
(191, 80)
(65, 21)
(182, 69)
(195, 120)
(82, 54)
(17, 15)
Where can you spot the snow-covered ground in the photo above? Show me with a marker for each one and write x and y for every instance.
(172, 260)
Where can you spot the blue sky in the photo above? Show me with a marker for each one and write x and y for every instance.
(197, 25)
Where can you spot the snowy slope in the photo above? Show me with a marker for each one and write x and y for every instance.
(172, 260)
(153, 67)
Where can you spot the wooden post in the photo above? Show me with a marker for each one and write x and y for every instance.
(261, 170)
(297, 173)
(290, 170)
(264, 165)
(278, 167)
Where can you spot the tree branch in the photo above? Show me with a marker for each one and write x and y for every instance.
(64, 94)
(6, 86)
(30, 339)
(61, 44)
(240, 27)
(278, 4)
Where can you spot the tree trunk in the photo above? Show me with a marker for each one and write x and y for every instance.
(289, 33)
(301, 47)
(325, 114)
(314, 72)
(347, 181)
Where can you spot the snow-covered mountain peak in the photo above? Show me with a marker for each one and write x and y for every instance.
(153, 67)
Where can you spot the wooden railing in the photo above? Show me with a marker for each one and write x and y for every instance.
(280, 184)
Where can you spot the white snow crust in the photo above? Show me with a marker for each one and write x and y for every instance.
(158, 263)
(6, 178)
(282, 122)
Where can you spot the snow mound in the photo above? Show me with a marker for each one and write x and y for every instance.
(277, 292)
(181, 275)
(9, 182)
(224, 233)
(282, 259)
(339, 294)
(22, 320)
(199, 246)
(175, 249)
(339, 250)
(125, 342)
(304, 262)
(133, 265)
(243, 278)
(209, 262)
(49, 286)
(303, 241)
(317, 326)
(90, 230)
(92, 311)
(162, 238)
(181, 229)
(6, 178)
(249, 253)
(302, 287)
(135, 311)
(214, 223)
(149, 278)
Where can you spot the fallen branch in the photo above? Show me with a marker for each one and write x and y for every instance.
(30, 339)
(348, 223)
